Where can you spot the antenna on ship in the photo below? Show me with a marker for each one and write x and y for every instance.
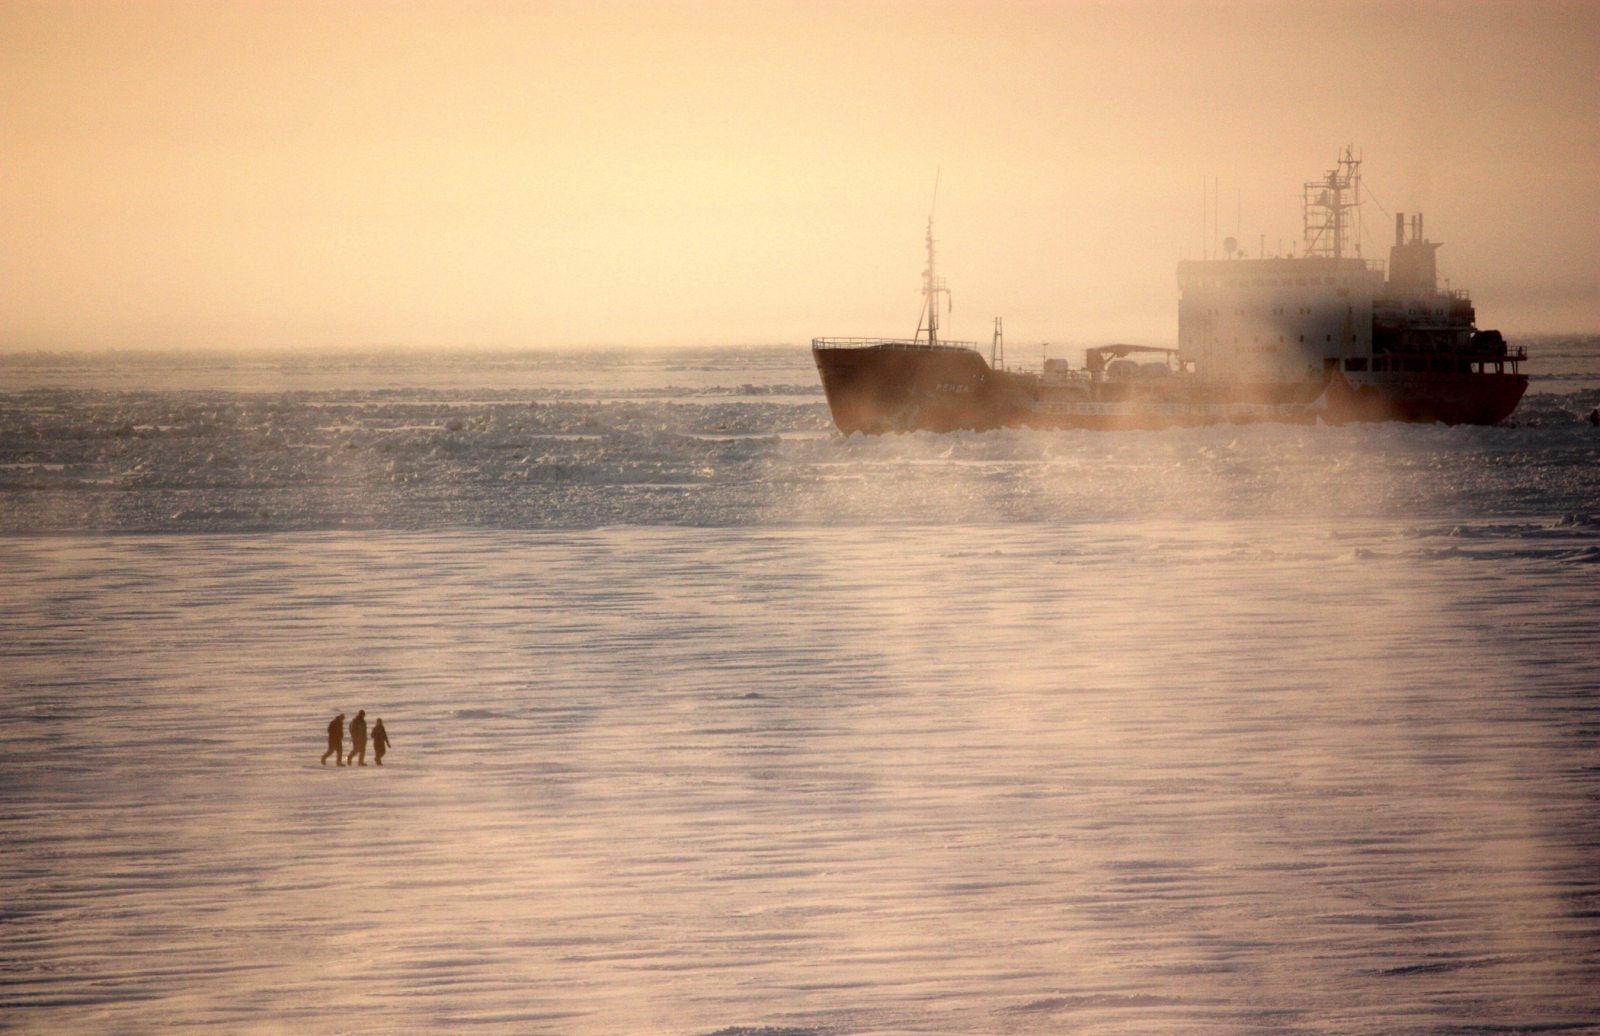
(997, 348)
(1327, 203)
(932, 285)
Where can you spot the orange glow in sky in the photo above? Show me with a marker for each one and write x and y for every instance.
(299, 174)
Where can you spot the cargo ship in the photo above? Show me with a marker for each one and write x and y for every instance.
(1323, 336)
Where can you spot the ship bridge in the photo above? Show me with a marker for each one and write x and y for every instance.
(1274, 319)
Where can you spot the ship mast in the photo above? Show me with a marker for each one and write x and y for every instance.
(1327, 205)
(932, 285)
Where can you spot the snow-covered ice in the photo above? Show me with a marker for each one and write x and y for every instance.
(708, 720)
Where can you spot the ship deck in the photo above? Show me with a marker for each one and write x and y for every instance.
(908, 344)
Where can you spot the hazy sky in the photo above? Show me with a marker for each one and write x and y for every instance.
(245, 174)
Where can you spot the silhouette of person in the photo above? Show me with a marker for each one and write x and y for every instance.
(1594, 417)
(335, 740)
(380, 742)
(358, 737)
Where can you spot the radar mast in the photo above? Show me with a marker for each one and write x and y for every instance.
(1328, 204)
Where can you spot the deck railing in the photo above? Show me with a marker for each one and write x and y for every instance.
(887, 343)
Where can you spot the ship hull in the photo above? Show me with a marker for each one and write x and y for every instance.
(1427, 397)
(937, 389)
(895, 388)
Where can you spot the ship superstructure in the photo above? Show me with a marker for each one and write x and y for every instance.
(1325, 335)
(1403, 348)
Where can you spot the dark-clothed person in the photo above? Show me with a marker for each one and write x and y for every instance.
(335, 740)
(380, 742)
(358, 737)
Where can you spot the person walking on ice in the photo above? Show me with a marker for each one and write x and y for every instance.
(335, 740)
(380, 742)
(358, 737)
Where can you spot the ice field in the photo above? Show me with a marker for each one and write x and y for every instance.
(733, 437)
(707, 720)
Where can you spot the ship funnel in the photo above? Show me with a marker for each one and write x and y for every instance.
(1413, 268)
